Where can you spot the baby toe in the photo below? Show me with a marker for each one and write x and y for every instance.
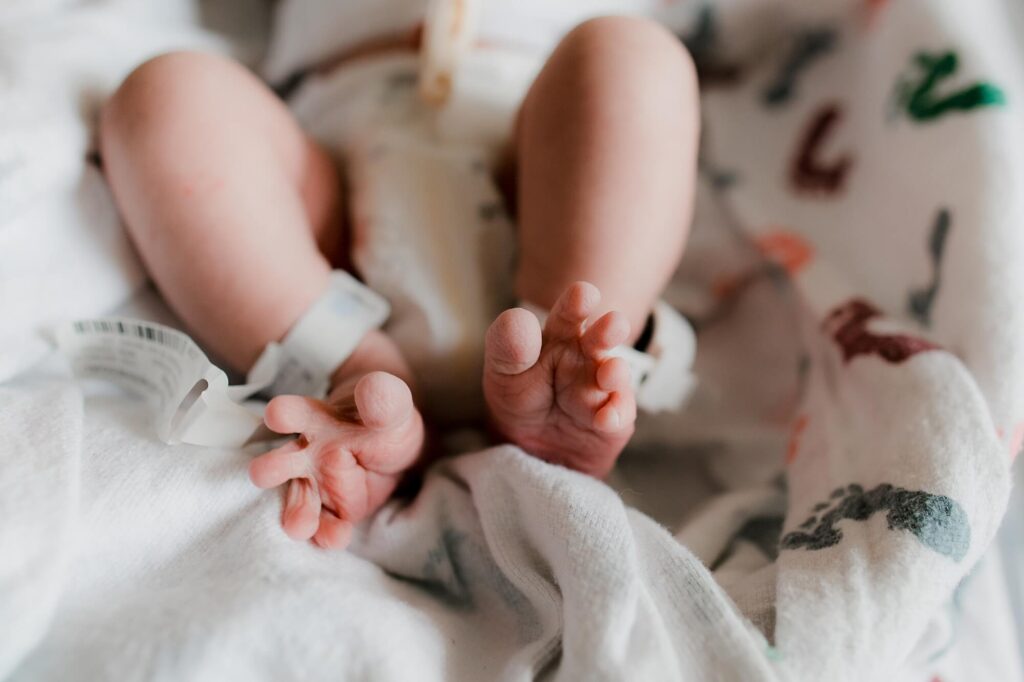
(613, 375)
(333, 533)
(282, 464)
(513, 342)
(616, 415)
(609, 331)
(301, 515)
(289, 413)
(571, 310)
(342, 483)
(383, 400)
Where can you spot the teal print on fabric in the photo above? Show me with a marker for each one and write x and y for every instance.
(920, 301)
(702, 42)
(721, 179)
(923, 103)
(764, 533)
(937, 521)
(443, 575)
(807, 49)
(761, 531)
(456, 570)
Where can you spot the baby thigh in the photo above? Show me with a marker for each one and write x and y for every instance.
(235, 212)
(606, 149)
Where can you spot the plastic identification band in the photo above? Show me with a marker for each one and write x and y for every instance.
(324, 337)
(193, 401)
(665, 371)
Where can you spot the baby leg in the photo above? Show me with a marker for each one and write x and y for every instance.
(230, 206)
(606, 159)
(237, 216)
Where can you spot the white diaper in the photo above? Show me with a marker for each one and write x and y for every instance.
(430, 229)
(431, 233)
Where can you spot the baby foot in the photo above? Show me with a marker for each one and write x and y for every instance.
(557, 393)
(349, 455)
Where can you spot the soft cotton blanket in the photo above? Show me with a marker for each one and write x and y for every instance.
(840, 472)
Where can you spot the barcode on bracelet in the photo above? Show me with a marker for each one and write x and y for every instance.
(165, 337)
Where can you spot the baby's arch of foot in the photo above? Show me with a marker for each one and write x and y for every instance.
(557, 392)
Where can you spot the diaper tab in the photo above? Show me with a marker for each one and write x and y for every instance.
(448, 33)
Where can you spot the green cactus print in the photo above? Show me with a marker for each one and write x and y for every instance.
(923, 104)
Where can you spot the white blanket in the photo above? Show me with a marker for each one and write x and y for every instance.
(180, 570)
(838, 249)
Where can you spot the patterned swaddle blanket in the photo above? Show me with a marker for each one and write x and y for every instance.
(854, 279)
(872, 157)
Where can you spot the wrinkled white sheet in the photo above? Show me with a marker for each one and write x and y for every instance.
(173, 567)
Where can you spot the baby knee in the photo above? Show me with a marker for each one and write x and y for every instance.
(636, 50)
(158, 89)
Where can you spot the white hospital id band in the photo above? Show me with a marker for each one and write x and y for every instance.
(663, 374)
(164, 367)
(324, 337)
(193, 401)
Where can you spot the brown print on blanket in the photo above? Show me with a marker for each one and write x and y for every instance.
(808, 172)
(848, 325)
